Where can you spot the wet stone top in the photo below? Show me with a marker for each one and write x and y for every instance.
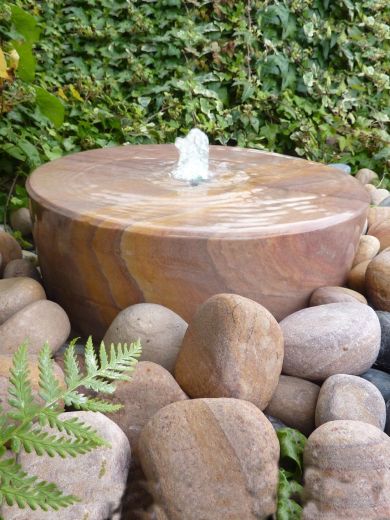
(250, 193)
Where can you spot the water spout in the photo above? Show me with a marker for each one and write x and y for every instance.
(193, 164)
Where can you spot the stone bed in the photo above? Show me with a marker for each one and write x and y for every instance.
(194, 440)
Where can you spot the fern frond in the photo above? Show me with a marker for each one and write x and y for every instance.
(19, 389)
(42, 442)
(93, 404)
(19, 428)
(72, 426)
(11, 471)
(71, 366)
(100, 385)
(123, 359)
(91, 363)
(49, 386)
(16, 487)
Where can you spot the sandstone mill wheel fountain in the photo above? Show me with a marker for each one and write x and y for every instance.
(114, 227)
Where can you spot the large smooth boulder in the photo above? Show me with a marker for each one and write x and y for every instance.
(98, 478)
(337, 338)
(383, 359)
(294, 402)
(9, 249)
(378, 281)
(233, 348)
(151, 388)
(160, 330)
(350, 397)
(17, 293)
(324, 295)
(347, 472)
(368, 247)
(39, 322)
(211, 459)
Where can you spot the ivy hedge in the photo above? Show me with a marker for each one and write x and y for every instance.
(301, 77)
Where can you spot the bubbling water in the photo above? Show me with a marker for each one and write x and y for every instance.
(193, 164)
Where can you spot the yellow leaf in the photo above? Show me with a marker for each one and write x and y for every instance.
(61, 94)
(3, 66)
(14, 59)
(74, 93)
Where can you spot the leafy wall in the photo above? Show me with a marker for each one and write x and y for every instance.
(302, 77)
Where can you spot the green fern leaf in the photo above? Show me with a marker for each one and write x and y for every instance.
(100, 385)
(19, 389)
(18, 487)
(71, 366)
(42, 442)
(19, 427)
(97, 405)
(10, 471)
(91, 362)
(103, 356)
(73, 427)
(49, 386)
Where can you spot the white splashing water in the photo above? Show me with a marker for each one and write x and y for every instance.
(193, 164)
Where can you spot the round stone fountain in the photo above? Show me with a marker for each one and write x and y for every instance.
(113, 227)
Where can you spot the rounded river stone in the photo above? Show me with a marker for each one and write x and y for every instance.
(233, 348)
(211, 459)
(160, 330)
(350, 397)
(380, 379)
(324, 295)
(17, 293)
(294, 402)
(347, 472)
(337, 338)
(377, 281)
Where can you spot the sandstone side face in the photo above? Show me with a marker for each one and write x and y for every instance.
(9, 249)
(324, 295)
(347, 472)
(350, 397)
(17, 293)
(211, 459)
(35, 324)
(337, 338)
(98, 478)
(233, 348)
(151, 388)
(368, 247)
(378, 281)
(160, 330)
(294, 403)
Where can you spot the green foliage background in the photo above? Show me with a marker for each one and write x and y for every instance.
(302, 77)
